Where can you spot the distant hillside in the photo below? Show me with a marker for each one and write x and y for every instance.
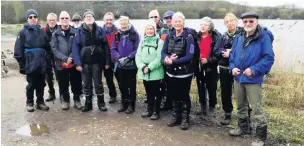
(13, 11)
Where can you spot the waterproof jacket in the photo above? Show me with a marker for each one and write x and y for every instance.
(254, 52)
(125, 45)
(90, 47)
(149, 55)
(62, 45)
(31, 49)
(110, 33)
(49, 32)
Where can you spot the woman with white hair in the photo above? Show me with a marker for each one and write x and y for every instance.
(209, 40)
(226, 78)
(150, 69)
(177, 55)
(123, 51)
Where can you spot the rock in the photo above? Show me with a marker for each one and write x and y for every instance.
(84, 132)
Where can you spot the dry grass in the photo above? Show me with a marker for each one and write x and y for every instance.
(283, 97)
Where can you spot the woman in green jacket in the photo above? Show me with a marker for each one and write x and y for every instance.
(150, 69)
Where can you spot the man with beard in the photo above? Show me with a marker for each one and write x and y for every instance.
(90, 55)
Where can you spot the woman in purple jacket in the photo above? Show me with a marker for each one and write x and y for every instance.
(123, 50)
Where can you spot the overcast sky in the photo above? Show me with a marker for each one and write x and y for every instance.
(270, 2)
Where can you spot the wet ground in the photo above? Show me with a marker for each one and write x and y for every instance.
(57, 127)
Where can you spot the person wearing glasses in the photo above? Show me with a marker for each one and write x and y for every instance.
(90, 55)
(154, 16)
(76, 20)
(30, 51)
(61, 44)
(111, 30)
(50, 29)
(250, 59)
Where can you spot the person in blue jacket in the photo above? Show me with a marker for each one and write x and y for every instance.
(177, 56)
(251, 58)
(30, 51)
(90, 53)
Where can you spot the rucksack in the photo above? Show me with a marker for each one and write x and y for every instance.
(131, 37)
(157, 40)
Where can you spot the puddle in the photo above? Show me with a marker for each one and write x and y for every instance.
(33, 130)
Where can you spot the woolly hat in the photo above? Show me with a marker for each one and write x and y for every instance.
(29, 12)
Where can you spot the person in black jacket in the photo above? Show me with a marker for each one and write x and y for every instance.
(90, 53)
(61, 44)
(50, 29)
(226, 78)
(209, 40)
(31, 48)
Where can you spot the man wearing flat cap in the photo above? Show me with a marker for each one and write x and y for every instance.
(251, 58)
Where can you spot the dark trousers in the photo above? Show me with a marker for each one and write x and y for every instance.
(226, 80)
(154, 95)
(49, 75)
(36, 82)
(179, 89)
(127, 79)
(167, 99)
(67, 77)
(108, 73)
(208, 81)
(92, 72)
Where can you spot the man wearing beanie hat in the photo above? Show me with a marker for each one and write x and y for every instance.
(123, 51)
(248, 68)
(76, 20)
(90, 55)
(29, 51)
(50, 29)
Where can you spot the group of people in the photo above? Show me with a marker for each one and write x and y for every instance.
(167, 58)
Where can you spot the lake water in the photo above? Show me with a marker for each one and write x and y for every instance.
(288, 44)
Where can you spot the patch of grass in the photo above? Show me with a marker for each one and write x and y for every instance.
(283, 99)
(11, 28)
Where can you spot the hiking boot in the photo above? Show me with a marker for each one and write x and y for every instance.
(261, 136)
(212, 112)
(30, 107)
(146, 114)
(257, 142)
(112, 100)
(185, 116)
(202, 111)
(155, 116)
(65, 105)
(77, 105)
(88, 106)
(123, 107)
(42, 106)
(101, 104)
(226, 120)
(130, 110)
(242, 129)
(51, 97)
(176, 117)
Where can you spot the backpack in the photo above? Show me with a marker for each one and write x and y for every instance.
(131, 37)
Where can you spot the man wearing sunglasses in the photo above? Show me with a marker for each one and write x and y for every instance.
(76, 20)
(154, 16)
(90, 55)
(67, 74)
(50, 29)
(250, 59)
(31, 48)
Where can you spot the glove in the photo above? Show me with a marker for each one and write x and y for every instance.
(124, 61)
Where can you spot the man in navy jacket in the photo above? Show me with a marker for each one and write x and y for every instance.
(251, 58)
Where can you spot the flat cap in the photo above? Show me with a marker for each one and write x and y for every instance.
(250, 15)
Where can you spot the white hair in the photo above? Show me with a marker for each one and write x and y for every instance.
(108, 13)
(179, 14)
(51, 15)
(154, 11)
(209, 21)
